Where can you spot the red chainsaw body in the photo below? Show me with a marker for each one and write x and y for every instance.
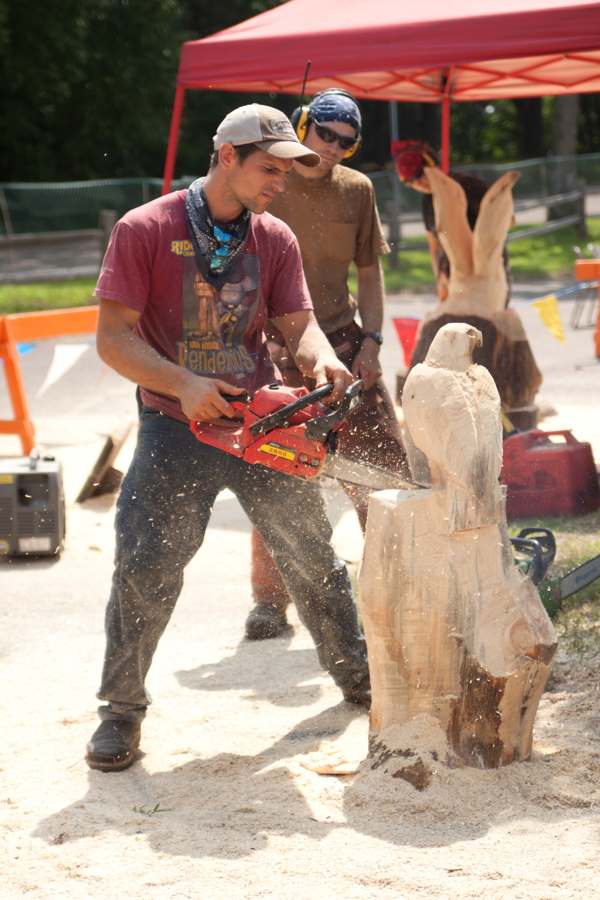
(286, 448)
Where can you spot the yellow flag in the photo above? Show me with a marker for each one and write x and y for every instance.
(550, 316)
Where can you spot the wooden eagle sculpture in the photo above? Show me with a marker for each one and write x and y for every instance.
(453, 628)
(478, 287)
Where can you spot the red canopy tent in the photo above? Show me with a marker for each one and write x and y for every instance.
(388, 50)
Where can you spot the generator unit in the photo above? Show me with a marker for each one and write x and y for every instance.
(32, 506)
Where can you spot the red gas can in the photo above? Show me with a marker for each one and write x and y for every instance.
(549, 473)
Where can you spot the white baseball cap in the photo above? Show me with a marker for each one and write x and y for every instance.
(267, 128)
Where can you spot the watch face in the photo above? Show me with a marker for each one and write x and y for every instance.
(377, 337)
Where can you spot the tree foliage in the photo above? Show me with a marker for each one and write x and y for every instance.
(86, 91)
(85, 87)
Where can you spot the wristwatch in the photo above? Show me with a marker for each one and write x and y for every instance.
(376, 335)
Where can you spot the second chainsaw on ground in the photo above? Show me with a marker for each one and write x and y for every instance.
(291, 430)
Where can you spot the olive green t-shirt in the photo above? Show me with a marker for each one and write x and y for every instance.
(336, 222)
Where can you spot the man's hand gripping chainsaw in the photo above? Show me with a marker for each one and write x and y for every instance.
(291, 430)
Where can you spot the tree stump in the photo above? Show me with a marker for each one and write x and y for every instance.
(453, 628)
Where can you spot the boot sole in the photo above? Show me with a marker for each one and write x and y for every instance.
(263, 633)
(111, 763)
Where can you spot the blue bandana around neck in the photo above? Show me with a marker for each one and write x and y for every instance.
(217, 248)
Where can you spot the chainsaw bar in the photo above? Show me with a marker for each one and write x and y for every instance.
(354, 471)
(579, 578)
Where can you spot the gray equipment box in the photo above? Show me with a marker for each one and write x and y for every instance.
(32, 506)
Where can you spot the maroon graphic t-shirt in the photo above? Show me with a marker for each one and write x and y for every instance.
(150, 267)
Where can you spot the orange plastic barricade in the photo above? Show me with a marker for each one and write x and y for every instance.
(589, 270)
(34, 327)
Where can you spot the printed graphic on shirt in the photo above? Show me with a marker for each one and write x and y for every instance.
(182, 248)
(215, 323)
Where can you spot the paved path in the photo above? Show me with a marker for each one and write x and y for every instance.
(232, 722)
(90, 400)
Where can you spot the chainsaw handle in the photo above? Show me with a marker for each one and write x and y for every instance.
(282, 416)
(319, 429)
(531, 548)
(545, 539)
(244, 397)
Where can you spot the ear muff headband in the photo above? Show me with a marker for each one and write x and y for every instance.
(300, 120)
(302, 117)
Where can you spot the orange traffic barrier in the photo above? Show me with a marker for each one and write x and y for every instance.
(589, 270)
(34, 327)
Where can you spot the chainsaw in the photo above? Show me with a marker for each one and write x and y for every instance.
(293, 431)
(534, 550)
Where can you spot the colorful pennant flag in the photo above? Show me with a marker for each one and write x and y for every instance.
(550, 316)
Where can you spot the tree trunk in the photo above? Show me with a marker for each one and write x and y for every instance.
(529, 112)
(563, 173)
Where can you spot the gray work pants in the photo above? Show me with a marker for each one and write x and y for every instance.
(162, 514)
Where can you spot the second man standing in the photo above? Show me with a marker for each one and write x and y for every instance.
(331, 210)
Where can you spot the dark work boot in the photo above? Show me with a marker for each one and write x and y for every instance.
(113, 745)
(360, 693)
(266, 620)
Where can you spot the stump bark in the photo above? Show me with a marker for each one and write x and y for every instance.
(453, 629)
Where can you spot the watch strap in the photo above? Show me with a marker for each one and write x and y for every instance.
(375, 335)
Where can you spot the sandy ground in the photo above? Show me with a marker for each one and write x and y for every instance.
(226, 802)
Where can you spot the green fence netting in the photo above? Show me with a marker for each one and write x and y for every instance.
(539, 178)
(73, 206)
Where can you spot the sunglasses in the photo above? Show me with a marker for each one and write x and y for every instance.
(330, 137)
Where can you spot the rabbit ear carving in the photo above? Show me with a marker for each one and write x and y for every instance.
(455, 236)
(493, 222)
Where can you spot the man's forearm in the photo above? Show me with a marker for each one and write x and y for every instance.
(365, 364)
(310, 348)
(434, 253)
(312, 351)
(126, 353)
(370, 296)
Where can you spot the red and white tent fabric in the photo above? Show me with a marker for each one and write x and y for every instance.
(389, 50)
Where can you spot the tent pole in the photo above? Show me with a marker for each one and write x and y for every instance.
(173, 139)
(445, 133)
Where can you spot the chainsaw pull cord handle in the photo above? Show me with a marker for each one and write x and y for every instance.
(282, 417)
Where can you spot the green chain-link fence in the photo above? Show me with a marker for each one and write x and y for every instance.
(72, 206)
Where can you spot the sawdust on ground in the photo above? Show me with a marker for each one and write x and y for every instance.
(227, 800)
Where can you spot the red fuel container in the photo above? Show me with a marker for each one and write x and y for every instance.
(549, 473)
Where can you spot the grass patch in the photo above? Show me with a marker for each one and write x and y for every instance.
(546, 256)
(414, 273)
(549, 255)
(17, 298)
(577, 540)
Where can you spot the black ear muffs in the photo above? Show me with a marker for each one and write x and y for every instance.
(302, 117)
